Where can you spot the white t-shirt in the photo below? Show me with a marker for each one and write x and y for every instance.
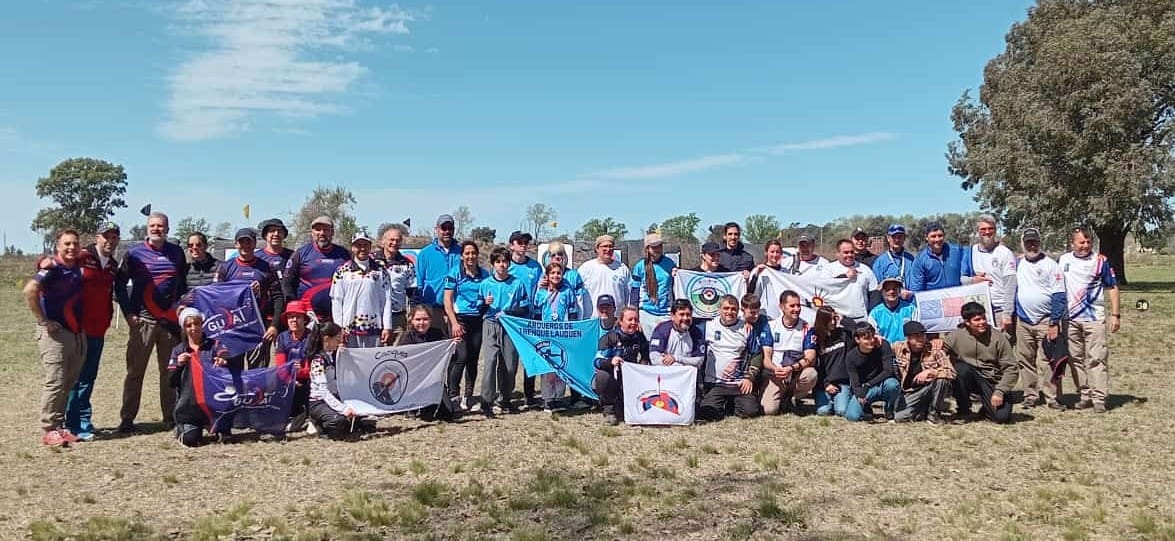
(600, 279)
(726, 351)
(850, 298)
(790, 342)
(1086, 280)
(1000, 265)
(803, 266)
(1035, 285)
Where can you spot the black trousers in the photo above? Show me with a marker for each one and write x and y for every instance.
(609, 385)
(969, 381)
(330, 422)
(464, 362)
(718, 400)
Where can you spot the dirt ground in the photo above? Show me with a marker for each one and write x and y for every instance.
(1051, 475)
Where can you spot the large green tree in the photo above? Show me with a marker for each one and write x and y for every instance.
(601, 226)
(683, 228)
(760, 228)
(1075, 121)
(86, 192)
(335, 203)
(185, 227)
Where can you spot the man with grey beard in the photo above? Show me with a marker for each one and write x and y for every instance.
(157, 271)
(994, 263)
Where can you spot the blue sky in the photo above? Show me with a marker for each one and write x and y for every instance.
(634, 110)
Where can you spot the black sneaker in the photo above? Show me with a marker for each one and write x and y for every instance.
(533, 402)
(1054, 405)
(128, 427)
(488, 411)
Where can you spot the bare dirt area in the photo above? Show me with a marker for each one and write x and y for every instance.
(1051, 475)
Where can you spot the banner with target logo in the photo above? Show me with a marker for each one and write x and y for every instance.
(378, 381)
(659, 395)
(705, 289)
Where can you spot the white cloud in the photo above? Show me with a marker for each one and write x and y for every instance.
(404, 49)
(266, 57)
(671, 169)
(831, 142)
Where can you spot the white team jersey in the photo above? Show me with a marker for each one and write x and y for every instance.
(789, 262)
(1085, 281)
(1000, 265)
(726, 351)
(849, 298)
(1035, 285)
(600, 279)
(789, 341)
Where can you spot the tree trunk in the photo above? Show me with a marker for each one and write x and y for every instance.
(1112, 244)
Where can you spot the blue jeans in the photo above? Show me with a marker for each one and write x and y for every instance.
(889, 391)
(79, 412)
(827, 405)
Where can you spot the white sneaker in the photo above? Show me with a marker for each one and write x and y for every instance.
(311, 428)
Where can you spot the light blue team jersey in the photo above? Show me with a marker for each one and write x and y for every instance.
(466, 290)
(663, 271)
(529, 273)
(559, 305)
(510, 296)
(890, 323)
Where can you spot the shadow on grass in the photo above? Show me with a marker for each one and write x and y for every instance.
(1150, 287)
(141, 429)
(1115, 401)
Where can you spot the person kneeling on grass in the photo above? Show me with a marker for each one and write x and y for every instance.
(926, 374)
(984, 365)
(870, 374)
(333, 418)
(190, 419)
(421, 331)
(733, 360)
(625, 344)
(833, 342)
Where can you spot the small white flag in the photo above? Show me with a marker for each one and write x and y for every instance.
(659, 395)
(378, 381)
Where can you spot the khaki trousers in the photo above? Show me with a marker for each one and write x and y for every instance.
(776, 390)
(62, 355)
(147, 335)
(1089, 355)
(1035, 374)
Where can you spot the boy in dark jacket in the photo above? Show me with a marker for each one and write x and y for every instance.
(871, 378)
(625, 344)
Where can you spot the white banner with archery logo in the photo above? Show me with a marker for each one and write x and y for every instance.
(378, 381)
(940, 310)
(705, 289)
(659, 395)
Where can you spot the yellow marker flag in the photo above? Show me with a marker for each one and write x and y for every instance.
(555, 225)
(246, 211)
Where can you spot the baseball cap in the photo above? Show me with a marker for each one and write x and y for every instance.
(605, 300)
(519, 236)
(245, 233)
(107, 227)
(804, 238)
(605, 238)
(445, 219)
(894, 279)
(859, 231)
(711, 247)
(360, 235)
(896, 229)
(653, 239)
(323, 220)
(294, 307)
(913, 327)
(1031, 233)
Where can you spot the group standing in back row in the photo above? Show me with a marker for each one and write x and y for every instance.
(749, 362)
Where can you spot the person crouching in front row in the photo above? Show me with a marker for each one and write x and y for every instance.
(190, 419)
(333, 418)
(731, 365)
(624, 344)
(926, 374)
(871, 376)
(984, 365)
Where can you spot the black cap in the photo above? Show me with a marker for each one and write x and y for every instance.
(605, 300)
(859, 231)
(1031, 233)
(913, 327)
(263, 227)
(246, 233)
(519, 236)
(711, 248)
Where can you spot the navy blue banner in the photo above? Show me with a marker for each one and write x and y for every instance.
(231, 315)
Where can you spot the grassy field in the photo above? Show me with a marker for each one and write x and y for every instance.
(1052, 475)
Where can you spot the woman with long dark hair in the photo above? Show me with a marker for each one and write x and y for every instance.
(463, 304)
(833, 341)
(333, 418)
(652, 284)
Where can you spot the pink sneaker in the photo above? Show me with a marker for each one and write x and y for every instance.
(53, 438)
(67, 435)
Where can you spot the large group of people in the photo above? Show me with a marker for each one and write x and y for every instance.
(321, 296)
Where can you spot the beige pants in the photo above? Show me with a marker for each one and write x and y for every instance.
(146, 336)
(1089, 355)
(776, 390)
(1035, 374)
(62, 355)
